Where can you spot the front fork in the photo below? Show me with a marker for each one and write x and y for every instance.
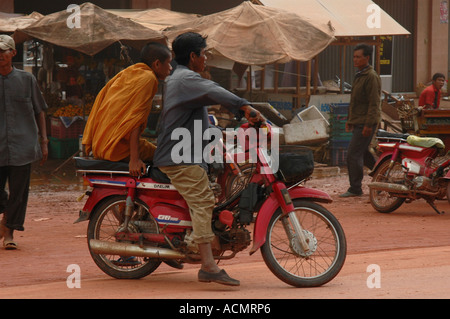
(288, 210)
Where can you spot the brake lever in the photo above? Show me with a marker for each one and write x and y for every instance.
(257, 124)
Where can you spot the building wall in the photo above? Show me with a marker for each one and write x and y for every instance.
(432, 45)
(403, 11)
(7, 6)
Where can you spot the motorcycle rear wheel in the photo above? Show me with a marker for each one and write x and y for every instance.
(328, 246)
(105, 222)
(383, 201)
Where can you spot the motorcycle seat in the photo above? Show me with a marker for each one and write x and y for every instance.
(389, 135)
(97, 165)
(425, 141)
(158, 176)
(90, 163)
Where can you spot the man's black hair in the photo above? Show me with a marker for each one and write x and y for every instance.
(367, 49)
(186, 43)
(437, 76)
(154, 51)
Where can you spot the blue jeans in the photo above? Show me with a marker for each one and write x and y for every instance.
(358, 156)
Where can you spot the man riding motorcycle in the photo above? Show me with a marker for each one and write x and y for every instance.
(186, 97)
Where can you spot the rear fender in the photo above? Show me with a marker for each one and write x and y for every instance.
(270, 206)
(386, 156)
(96, 196)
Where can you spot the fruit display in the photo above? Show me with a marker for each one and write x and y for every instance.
(71, 110)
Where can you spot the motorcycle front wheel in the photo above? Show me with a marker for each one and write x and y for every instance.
(326, 240)
(383, 201)
(105, 222)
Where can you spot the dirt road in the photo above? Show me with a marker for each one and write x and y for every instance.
(405, 254)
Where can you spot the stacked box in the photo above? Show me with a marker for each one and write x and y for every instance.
(64, 141)
(62, 148)
(306, 133)
(339, 138)
(338, 156)
(59, 130)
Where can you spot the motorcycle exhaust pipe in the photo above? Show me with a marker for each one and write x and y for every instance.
(126, 249)
(389, 187)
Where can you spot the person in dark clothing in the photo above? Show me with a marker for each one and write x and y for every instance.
(364, 115)
(23, 139)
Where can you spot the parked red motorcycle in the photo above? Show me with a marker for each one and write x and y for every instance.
(137, 223)
(409, 168)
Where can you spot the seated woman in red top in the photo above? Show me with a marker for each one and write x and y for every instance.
(431, 96)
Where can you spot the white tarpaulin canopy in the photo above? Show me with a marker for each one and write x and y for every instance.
(350, 18)
(10, 24)
(98, 29)
(257, 35)
(156, 19)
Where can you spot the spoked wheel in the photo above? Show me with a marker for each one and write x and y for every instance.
(383, 201)
(326, 240)
(105, 222)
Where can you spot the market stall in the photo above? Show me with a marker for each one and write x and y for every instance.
(98, 29)
(434, 123)
(254, 35)
(74, 65)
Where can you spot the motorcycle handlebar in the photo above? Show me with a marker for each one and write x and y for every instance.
(257, 124)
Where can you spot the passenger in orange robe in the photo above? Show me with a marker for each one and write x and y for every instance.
(120, 111)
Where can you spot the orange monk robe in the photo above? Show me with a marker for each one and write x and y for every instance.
(121, 106)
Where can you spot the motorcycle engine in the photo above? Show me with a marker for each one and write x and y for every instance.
(424, 184)
(235, 239)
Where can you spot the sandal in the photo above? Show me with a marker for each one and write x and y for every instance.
(10, 245)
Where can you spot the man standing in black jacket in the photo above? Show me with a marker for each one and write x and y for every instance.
(364, 115)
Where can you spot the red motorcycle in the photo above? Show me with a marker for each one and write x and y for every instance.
(137, 223)
(409, 168)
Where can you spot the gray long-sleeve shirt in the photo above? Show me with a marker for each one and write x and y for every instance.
(20, 102)
(186, 98)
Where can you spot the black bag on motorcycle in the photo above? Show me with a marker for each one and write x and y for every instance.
(295, 163)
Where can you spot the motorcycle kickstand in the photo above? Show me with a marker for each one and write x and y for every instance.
(431, 203)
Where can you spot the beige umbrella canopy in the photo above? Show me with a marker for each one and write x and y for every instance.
(98, 29)
(156, 19)
(257, 35)
(10, 24)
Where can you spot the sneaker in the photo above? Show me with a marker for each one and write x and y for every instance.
(221, 278)
(350, 194)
